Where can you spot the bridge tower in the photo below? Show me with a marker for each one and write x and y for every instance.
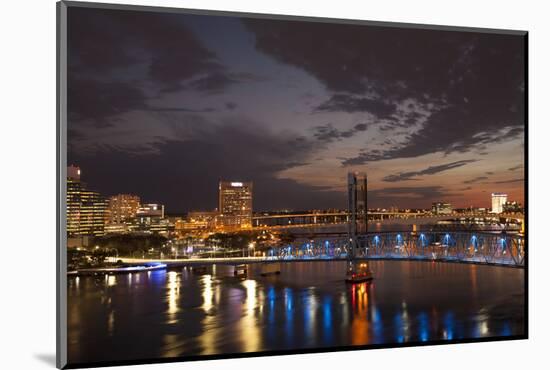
(357, 209)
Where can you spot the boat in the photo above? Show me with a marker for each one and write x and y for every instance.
(358, 272)
(120, 269)
(240, 271)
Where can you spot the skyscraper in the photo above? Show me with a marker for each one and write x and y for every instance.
(122, 208)
(150, 218)
(85, 209)
(498, 200)
(93, 209)
(442, 208)
(73, 200)
(235, 205)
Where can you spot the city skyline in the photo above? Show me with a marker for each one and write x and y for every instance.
(429, 115)
(123, 198)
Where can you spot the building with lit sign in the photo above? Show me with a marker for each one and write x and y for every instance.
(150, 218)
(497, 202)
(235, 205)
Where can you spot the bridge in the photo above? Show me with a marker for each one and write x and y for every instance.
(360, 244)
(336, 217)
(321, 219)
(485, 248)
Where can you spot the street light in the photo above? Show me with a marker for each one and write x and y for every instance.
(250, 246)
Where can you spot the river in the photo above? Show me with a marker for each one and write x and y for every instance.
(177, 313)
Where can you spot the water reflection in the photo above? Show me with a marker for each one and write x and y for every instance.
(360, 323)
(250, 334)
(208, 340)
(177, 313)
(111, 280)
(173, 290)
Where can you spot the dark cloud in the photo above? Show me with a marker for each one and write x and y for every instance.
(105, 40)
(474, 79)
(328, 133)
(201, 152)
(231, 106)
(509, 181)
(413, 196)
(180, 109)
(88, 99)
(212, 83)
(432, 170)
(118, 60)
(360, 127)
(352, 104)
(460, 138)
(515, 167)
(475, 179)
(440, 91)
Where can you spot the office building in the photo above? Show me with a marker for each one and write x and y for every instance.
(150, 218)
(86, 210)
(512, 207)
(235, 205)
(497, 202)
(93, 209)
(123, 208)
(442, 208)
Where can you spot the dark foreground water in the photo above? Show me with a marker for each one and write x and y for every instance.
(177, 313)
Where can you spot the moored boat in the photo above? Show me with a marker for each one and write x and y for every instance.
(120, 269)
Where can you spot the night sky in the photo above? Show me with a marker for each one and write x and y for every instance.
(166, 105)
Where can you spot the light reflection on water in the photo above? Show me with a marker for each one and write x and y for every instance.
(178, 313)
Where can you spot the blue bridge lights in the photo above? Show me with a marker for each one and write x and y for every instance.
(474, 242)
(422, 240)
(503, 245)
(464, 246)
(399, 240)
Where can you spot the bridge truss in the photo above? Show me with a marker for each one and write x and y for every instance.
(461, 246)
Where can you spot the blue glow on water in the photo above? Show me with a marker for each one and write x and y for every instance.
(288, 300)
(289, 312)
(307, 305)
(271, 297)
(506, 330)
(449, 324)
(327, 319)
(378, 325)
(398, 327)
(423, 326)
(289, 304)
(327, 312)
(158, 277)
